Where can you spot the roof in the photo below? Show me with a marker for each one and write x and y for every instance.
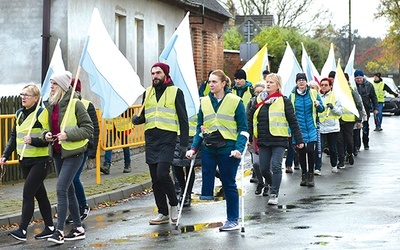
(213, 5)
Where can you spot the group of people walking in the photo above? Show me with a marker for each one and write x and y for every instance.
(230, 118)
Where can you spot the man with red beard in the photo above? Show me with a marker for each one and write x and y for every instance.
(164, 115)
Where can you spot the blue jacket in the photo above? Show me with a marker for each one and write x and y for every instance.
(303, 107)
(241, 120)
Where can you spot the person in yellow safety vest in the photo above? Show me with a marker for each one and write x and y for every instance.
(380, 88)
(329, 122)
(222, 128)
(347, 123)
(84, 208)
(269, 121)
(204, 87)
(242, 87)
(165, 117)
(35, 161)
(69, 132)
(306, 103)
(120, 127)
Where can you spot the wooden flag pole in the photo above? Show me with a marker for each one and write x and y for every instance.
(31, 126)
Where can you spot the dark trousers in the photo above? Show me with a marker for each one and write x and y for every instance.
(307, 155)
(183, 176)
(345, 140)
(163, 186)
(331, 139)
(365, 133)
(34, 172)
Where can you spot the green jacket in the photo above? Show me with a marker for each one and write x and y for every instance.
(83, 130)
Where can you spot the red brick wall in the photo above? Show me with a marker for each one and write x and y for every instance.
(232, 62)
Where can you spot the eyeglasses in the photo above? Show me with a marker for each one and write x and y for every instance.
(22, 95)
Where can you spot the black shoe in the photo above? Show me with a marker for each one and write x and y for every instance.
(105, 169)
(187, 201)
(84, 212)
(46, 233)
(303, 182)
(310, 180)
(259, 189)
(351, 159)
(69, 220)
(75, 234)
(253, 180)
(366, 147)
(127, 168)
(18, 234)
(341, 165)
(326, 151)
(57, 237)
(266, 191)
(220, 193)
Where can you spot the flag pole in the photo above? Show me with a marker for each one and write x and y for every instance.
(70, 101)
(31, 126)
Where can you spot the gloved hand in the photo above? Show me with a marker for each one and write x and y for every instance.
(190, 153)
(329, 105)
(182, 151)
(135, 119)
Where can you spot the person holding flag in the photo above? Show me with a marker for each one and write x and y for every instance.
(70, 129)
(34, 161)
(164, 114)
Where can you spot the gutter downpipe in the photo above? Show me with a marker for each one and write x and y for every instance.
(46, 38)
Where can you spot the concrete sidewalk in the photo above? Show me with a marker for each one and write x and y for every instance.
(113, 187)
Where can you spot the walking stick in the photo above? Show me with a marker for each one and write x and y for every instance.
(185, 191)
(241, 185)
(30, 127)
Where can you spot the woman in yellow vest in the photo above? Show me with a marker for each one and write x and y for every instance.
(269, 121)
(222, 128)
(68, 147)
(35, 162)
(329, 122)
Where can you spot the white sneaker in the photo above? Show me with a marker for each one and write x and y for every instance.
(273, 199)
(160, 219)
(334, 170)
(174, 212)
(317, 172)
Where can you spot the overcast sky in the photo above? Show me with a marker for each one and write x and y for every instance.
(362, 16)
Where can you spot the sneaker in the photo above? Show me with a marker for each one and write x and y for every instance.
(289, 170)
(266, 191)
(317, 172)
(273, 199)
(296, 167)
(351, 159)
(160, 219)
(366, 147)
(69, 220)
(84, 211)
(259, 189)
(105, 169)
(127, 168)
(230, 226)
(57, 237)
(174, 214)
(75, 234)
(341, 165)
(334, 169)
(46, 233)
(19, 234)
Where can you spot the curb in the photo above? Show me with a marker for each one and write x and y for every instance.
(92, 202)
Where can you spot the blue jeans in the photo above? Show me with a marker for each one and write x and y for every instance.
(66, 169)
(127, 152)
(378, 117)
(79, 190)
(228, 167)
(271, 166)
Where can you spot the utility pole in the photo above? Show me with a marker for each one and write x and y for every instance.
(349, 27)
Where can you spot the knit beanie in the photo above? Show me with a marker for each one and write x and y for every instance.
(358, 73)
(332, 74)
(379, 75)
(164, 67)
(63, 80)
(301, 76)
(78, 87)
(240, 74)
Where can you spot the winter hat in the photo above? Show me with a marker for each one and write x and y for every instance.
(378, 75)
(78, 87)
(332, 74)
(266, 72)
(63, 80)
(164, 67)
(240, 74)
(358, 73)
(301, 76)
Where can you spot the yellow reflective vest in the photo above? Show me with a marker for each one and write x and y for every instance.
(224, 120)
(23, 129)
(246, 96)
(192, 125)
(278, 125)
(379, 90)
(327, 114)
(161, 114)
(70, 123)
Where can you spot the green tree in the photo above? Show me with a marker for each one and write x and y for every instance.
(232, 39)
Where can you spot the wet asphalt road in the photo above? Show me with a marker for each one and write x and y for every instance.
(357, 208)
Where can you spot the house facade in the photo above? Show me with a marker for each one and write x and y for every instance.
(140, 28)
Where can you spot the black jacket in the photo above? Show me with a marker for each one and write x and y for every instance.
(368, 96)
